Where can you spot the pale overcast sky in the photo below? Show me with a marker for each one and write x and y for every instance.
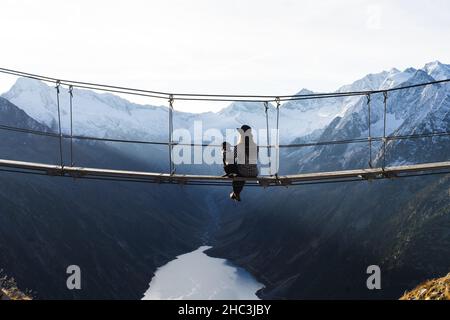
(227, 46)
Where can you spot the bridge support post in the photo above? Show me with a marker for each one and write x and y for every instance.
(384, 128)
(171, 165)
(277, 146)
(61, 158)
(369, 138)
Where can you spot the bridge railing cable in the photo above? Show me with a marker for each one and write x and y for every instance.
(281, 146)
(208, 97)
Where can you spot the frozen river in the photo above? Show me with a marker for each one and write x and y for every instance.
(195, 275)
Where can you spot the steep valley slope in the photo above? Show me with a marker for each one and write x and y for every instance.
(118, 233)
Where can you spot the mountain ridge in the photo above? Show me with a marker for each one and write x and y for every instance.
(108, 115)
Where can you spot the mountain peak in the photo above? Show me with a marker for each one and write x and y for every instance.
(34, 97)
(25, 85)
(242, 106)
(372, 81)
(437, 70)
(304, 91)
(394, 71)
(421, 76)
(433, 64)
(410, 70)
(396, 77)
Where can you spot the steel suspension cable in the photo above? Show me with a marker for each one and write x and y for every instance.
(171, 165)
(266, 109)
(369, 138)
(207, 97)
(293, 145)
(71, 125)
(277, 148)
(59, 125)
(385, 96)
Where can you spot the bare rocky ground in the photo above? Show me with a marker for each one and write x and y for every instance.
(9, 290)
(436, 289)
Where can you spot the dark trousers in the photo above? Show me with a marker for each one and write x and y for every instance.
(233, 169)
(238, 186)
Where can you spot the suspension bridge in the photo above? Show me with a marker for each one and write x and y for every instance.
(171, 177)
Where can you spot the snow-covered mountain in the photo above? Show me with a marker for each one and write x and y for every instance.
(107, 115)
(413, 111)
(94, 114)
(437, 70)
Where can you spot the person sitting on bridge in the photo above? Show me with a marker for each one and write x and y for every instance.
(243, 162)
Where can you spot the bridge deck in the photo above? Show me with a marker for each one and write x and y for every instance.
(393, 171)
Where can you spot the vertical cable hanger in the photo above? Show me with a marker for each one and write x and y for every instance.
(58, 84)
(266, 108)
(277, 101)
(71, 125)
(171, 165)
(385, 96)
(369, 138)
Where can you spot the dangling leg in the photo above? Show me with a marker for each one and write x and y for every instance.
(237, 189)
